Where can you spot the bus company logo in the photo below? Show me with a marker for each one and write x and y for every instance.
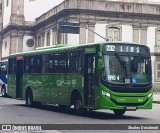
(59, 83)
(6, 127)
(30, 43)
(63, 82)
(140, 100)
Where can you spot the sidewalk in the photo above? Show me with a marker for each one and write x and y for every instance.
(156, 97)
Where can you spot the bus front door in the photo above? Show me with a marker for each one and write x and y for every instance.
(89, 80)
(19, 78)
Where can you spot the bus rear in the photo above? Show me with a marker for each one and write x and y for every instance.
(126, 78)
(3, 78)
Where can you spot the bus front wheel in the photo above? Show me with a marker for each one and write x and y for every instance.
(119, 112)
(3, 91)
(29, 98)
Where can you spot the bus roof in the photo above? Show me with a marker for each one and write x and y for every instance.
(55, 48)
(65, 47)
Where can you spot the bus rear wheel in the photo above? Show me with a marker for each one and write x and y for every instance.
(3, 91)
(119, 112)
(78, 107)
(29, 98)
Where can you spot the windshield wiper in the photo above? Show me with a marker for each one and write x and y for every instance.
(119, 60)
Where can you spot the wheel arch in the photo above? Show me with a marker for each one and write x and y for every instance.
(74, 95)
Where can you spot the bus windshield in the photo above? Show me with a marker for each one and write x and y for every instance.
(129, 69)
(3, 67)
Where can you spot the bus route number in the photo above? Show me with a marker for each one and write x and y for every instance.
(110, 48)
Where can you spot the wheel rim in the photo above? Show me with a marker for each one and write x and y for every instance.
(3, 92)
(29, 102)
(78, 104)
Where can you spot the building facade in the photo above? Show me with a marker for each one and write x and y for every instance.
(129, 21)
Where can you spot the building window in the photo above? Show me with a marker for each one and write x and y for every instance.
(157, 70)
(5, 44)
(48, 39)
(42, 41)
(114, 33)
(39, 41)
(7, 2)
(136, 35)
(158, 37)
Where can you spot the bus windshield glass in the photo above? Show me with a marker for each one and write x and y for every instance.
(3, 67)
(127, 68)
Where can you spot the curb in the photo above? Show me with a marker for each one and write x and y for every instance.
(157, 102)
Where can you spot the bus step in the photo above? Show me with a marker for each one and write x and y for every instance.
(88, 107)
(19, 98)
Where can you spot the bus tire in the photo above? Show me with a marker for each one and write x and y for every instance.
(3, 91)
(119, 112)
(63, 107)
(78, 107)
(29, 98)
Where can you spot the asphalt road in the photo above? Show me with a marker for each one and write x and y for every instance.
(14, 111)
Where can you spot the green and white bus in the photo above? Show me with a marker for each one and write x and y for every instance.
(112, 75)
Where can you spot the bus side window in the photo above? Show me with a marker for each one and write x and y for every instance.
(12, 66)
(56, 63)
(27, 68)
(36, 64)
(3, 69)
(74, 62)
(47, 66)
(60, 62)
(63, 63)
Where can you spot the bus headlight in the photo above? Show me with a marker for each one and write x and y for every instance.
(149, 95)
(106, 94)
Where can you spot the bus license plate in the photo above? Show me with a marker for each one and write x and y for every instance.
(131, 108)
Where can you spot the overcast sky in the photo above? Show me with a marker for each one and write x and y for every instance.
(36, 8)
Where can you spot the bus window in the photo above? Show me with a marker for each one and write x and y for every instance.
(47, 63)
(3, 69)
(27, 65)
(36, 64)
(74, 62)
(12, 66)
(60, 63)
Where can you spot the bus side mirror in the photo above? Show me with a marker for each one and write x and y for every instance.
(99, 64)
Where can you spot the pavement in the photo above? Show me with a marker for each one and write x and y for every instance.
(156, 97)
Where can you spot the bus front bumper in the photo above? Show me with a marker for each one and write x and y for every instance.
(113, 102)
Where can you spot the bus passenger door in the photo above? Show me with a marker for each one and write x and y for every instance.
(19, 77)
(89, 80)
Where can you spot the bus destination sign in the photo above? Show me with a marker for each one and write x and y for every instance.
(124, 48)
